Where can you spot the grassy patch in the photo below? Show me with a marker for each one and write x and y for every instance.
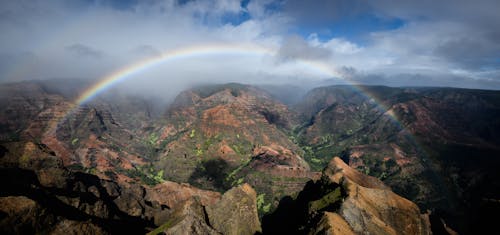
(326, 201)
(262, 207)
(192, 134)
(164, 227)
(146, 174)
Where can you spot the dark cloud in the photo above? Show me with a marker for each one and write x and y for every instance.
(296, 47)
(424, 80)
(471, 52)
(84, 51)
(482, 12)
(347, 71)
(478, 12)
(477, 43)
(323, 12)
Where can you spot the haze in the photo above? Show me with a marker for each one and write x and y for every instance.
(403, 43)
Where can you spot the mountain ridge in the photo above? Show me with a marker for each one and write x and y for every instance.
(221, 136)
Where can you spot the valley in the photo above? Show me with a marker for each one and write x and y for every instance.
(126, 163)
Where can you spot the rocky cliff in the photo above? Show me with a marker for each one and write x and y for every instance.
(345, 201)
(434, 146)
(39, 195)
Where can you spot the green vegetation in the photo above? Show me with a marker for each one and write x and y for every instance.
(74, 141)
(231, 176)
(151, 146)
(153, 137)
(198, 152)
(24, 160)
(192, 135)
(236, 149)
(164, 226)
(207, 143)
(242, 147)
(91, 170)
(326, 201)
(75, 167)
(146, 174)
(261, 206)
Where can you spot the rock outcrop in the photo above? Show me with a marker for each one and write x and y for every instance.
(371, 206)
(40, 195)
(235, 213)
(187, 218)
(345, 201)
(332, 224)
(434, 146)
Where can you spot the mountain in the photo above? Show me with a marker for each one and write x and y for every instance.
(435, 146)
(125, 162)
(218, 136)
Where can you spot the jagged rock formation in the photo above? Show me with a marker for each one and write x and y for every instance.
(345, 201)
(40, 195)
(372, 207)
(332, 224)
(235, 213)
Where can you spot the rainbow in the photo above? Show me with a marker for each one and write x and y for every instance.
(198, 51)
(189, 52)
(182, 53)
(212, 50)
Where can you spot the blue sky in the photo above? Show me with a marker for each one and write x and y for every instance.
(403, 43)
(355, 29)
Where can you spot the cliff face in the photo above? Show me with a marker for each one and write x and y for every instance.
(235, 213)
(372, 206)
(40, 195)
(345, 201)
(433, 146)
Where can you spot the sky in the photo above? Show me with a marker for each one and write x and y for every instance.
(396, 43)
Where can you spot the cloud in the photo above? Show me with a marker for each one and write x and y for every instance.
(295, 47)
(467, 52)
(84, 51)
(146, 50)
(323, 12)
(455, 43)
